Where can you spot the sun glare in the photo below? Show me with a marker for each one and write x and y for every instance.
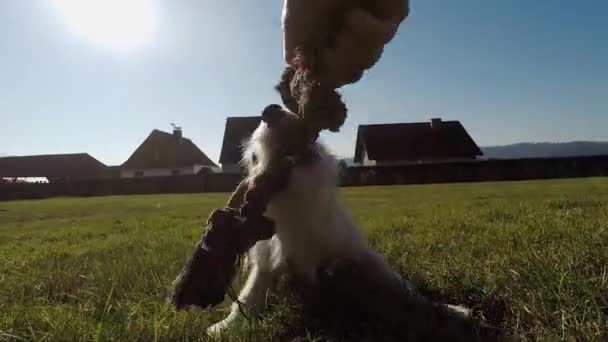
(115, 25)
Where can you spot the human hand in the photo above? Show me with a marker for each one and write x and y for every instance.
(346, 37)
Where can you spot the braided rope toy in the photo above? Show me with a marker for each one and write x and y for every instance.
(233, 230)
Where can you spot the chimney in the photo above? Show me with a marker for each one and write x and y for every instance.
(436, 123)
(177, 132)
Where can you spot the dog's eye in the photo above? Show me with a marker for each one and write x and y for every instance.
(254, 159)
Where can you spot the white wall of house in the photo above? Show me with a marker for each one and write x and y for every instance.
(198, 168)
(366, 161)
(420, 161)
(160, 172)
(231, 168)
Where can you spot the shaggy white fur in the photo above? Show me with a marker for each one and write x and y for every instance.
(312, 226)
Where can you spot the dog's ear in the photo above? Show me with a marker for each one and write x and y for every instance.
(272, 114)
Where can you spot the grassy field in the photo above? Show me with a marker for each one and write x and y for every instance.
(529, 256)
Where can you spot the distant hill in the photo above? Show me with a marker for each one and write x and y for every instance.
(539, 150)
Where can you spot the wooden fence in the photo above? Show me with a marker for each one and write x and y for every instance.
(472, 171)
(478, 171)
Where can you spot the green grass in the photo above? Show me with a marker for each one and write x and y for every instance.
(529, 256)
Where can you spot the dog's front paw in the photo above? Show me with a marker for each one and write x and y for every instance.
(225, 326)
(460, 310)
(218, 329)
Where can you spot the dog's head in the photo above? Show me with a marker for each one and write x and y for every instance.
(280, 133)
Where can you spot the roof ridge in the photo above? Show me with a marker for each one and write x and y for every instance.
(168, 134)
(50, 155)
(243, 117)
(162, 149)
(408, 123)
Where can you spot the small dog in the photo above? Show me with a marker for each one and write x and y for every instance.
(313, 228)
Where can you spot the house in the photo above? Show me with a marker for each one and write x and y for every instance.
(404, 143)
(53, 167)
(166, 154)
(237, 131)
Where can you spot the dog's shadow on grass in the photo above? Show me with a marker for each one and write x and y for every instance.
(329, 319)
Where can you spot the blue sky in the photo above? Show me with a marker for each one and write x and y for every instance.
(510, 71)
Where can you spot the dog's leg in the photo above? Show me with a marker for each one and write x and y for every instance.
(373, 263)
(252, 298)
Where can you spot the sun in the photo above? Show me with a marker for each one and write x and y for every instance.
(114, 25)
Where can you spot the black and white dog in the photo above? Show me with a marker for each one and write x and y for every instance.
(313, 227)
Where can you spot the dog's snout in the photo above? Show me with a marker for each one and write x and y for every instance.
(272, 114)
